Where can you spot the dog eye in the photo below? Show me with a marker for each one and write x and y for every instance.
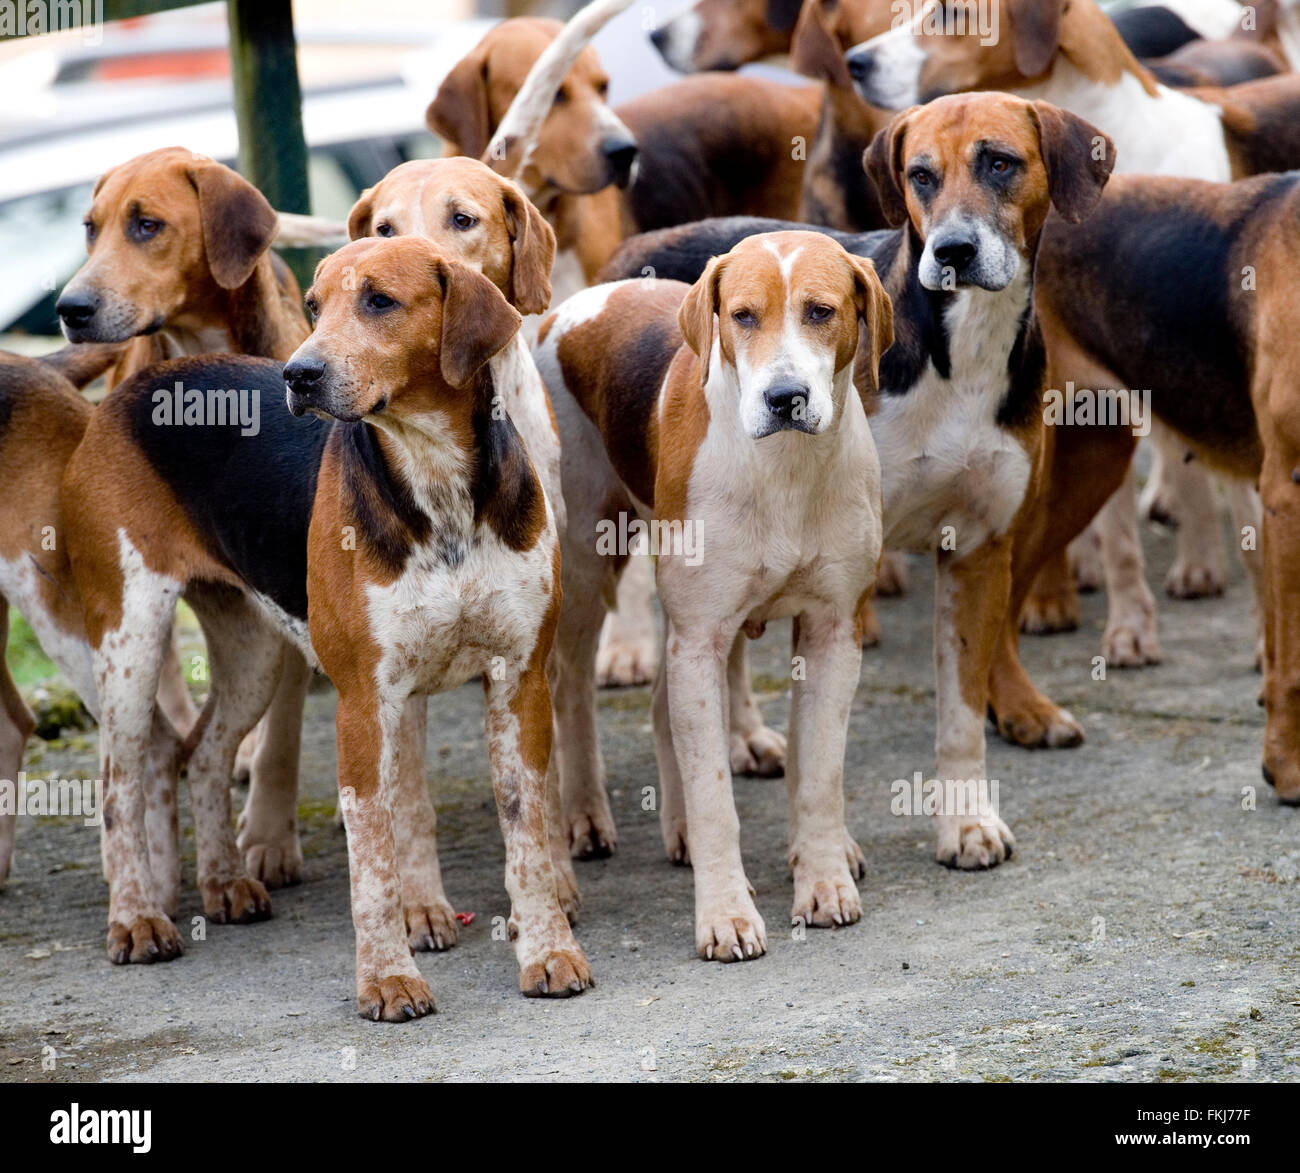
(819, 313)
(1000, 164)
(603, 89)
(89, 226)
(147, 228)
(464, 221)
(312, 309)
(383, 229)
(561, 97)
(745, 318)
(380, 301)
(921, 177)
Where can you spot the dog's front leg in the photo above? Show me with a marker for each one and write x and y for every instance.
(971, 600)
(519, 728)
(430, 918)
(727, 924)
(823, 856)
(389, 985)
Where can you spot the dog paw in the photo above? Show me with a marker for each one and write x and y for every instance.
(591, 831)
(1191, 580)
(275, 861)
(143, 940)
(555, 973)
(397, 997)
(1131, 643)
(760, 753)
(430, 927)
(625, 663)
(974, 843)
(731, 930)
(235, 901)
(892, 579)
(1040, 725)
(826, 897)
(1045, 614)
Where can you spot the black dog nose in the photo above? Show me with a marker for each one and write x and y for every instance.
(659, 38)
(955, 254)
(620, 153)
(76, 309)
(303, 372)
(860, 62)
(785, 400)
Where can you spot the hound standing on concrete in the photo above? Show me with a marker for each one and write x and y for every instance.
(756, 453)
(406, 547)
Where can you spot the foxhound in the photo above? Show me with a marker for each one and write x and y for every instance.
(1068, 52)
(725, 34)
(405, 545)
(734, 414)
(959, 420)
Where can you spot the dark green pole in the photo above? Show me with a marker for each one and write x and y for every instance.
(268, 110)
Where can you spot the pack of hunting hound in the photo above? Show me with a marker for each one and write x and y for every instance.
(792, 330)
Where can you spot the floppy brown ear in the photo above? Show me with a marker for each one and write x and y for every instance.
(813, 49)
(459, 111)
(1078, 158)
(533, 242)
(238, 224)
(875, 326)
(1035, 33)
(477, 321)
(359, 219)
(883, 161)
(697, 312)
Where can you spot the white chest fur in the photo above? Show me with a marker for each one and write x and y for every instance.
(944, 460)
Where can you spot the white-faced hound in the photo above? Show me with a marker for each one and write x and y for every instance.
(733, 412)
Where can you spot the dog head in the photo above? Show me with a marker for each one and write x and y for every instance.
(949, 46)
(399, 329)
(582, 147)
(473, 215)
(975, 174)
(725, 34)
(827, 29)
(790, 320)
(168, 233)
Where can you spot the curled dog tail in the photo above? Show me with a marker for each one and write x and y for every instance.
(517, 135)
(82, 362)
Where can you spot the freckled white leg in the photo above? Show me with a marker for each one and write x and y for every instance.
(1130, 638)
(1247, 514)
(519, 727)
(824, 867)
(16, 725)
(161, 824)
(1200, 565)
(1085, 560)
(389, 985)
(430, 918)
(557, 835)
(971, 599)
(1158, 500)
(727, 924)
(246, 657)
(755, 749)
(127, 664)
(268, 824)
(627, 640)
(672, 800)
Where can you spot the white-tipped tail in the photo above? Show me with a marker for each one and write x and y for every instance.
(517, 135)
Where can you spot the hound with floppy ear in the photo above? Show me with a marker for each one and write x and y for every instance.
(406, 546)
(747, 387)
